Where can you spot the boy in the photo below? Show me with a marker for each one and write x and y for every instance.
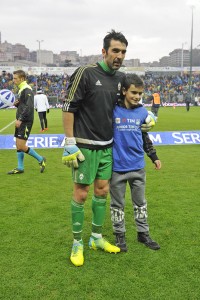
(128, 163)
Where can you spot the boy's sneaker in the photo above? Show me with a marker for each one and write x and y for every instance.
(15, 171)
(77, 254)
(143, 237)
(121, 242)
(101, 243)
(42, 165)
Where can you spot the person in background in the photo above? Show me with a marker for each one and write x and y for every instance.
(188, 100)
(155, 98)
(128, 163)
(41, 105)
(196, 100)
(24, 122)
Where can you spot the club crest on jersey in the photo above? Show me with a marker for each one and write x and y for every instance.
(81, 176)
(119, 86)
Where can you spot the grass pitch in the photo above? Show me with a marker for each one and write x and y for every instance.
(36, 237)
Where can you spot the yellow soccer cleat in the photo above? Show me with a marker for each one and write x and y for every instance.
(77, 254)
(102, 244)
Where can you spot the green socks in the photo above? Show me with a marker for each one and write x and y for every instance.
(77, 210)
(99, 211)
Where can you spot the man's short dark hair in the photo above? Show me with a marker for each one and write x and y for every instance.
(113, 35)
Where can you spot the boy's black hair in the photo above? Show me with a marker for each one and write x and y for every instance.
(133, 79)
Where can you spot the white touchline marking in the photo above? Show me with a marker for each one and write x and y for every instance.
(7, 126)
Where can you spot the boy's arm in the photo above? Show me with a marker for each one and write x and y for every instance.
(150, 150)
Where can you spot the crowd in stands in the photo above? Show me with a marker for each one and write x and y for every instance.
(171, 87)
(52, 85)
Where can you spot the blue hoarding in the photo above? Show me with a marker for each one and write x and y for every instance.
(57, 140)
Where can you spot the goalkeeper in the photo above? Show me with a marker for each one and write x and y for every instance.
(87, 118)
(128, 163)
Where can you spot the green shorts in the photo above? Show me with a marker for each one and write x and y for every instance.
(97, 165)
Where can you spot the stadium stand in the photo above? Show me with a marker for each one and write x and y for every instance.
(171, 87)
